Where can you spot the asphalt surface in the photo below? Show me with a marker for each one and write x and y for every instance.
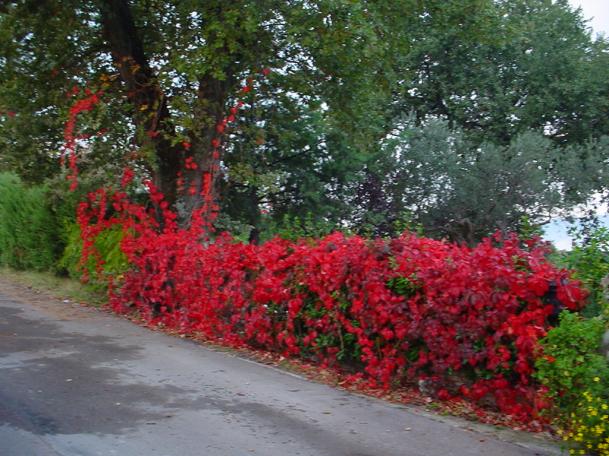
(77, 381)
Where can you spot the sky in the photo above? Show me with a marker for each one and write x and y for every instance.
(556, 232)
(597, 11)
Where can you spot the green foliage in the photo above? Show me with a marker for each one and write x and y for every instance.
(528, 229)
(589, 259)
(588, 426)
(37, 231)
(294, 228)
(492, 87)
(404, 286)
(510, 66)
(69, 263)
(28, 228)
(339, 53)
(315, 136)
(572, 362)
(107, 245)
(454, 188)
(574, 365)
(406, 222)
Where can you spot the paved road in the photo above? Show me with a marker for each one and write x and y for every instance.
(76, 381)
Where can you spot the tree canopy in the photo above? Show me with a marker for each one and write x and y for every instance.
(369, 110)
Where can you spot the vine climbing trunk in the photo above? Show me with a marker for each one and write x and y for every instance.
(149, 112)
(187, 164)
(204, 151)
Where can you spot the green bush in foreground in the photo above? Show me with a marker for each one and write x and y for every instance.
(575, 370)
(572, 360)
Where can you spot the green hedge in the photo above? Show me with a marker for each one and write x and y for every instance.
(29, 232)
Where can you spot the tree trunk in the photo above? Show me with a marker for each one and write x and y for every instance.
(150, 113)
(204, 151)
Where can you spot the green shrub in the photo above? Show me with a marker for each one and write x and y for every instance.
(69, 263)
(590, 261)
(573, 366)
(28, 229)
(293, 228)
(572, 363)
(107, 245)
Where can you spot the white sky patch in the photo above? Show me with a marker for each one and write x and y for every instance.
(598, 13)
(597, 201)
(557, 232)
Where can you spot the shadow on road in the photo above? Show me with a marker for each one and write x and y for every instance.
(56, 382)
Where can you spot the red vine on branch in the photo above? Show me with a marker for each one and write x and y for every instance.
(85, 104)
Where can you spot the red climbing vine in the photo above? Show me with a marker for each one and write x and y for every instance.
(465, 320)
(81, 105)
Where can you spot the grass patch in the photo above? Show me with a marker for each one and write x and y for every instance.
(59, 287)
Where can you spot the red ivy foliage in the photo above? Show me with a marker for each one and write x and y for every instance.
(465, 320)
(85, 104)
